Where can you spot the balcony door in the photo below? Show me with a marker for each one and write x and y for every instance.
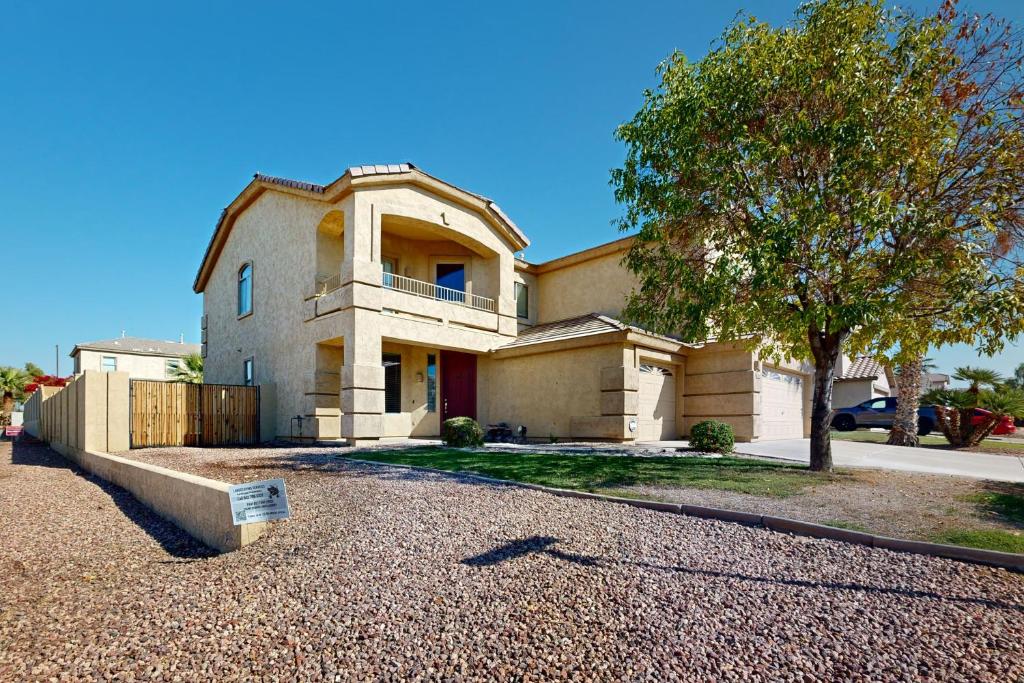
(458, 385)
(451, 281)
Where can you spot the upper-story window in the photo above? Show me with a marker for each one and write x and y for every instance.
(109, 364)
(245, 290)
(248, 372)
(522, 300)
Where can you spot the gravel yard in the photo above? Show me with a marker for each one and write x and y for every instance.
(385, 573)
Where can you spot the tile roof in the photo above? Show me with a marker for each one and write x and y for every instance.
(572, 328)
(139, 346)
(862, 368)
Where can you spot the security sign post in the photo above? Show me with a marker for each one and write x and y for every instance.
(258, 501)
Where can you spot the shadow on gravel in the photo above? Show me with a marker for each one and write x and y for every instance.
(173, 540)
(543, 545)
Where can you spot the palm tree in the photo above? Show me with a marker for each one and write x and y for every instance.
(12, 385)
(955, 411)
(979, 378)
(191, 370)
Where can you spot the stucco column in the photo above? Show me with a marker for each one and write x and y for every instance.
(362, 378)
(506, 295)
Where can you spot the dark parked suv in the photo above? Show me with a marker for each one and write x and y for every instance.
(879, 412)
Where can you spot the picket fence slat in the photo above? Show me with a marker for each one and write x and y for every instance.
(182, 414)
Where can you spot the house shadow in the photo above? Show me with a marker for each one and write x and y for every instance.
(172, 540)
(545, 545)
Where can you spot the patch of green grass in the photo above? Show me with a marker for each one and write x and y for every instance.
(602, 472)
(850, 526)
(988, 539)
(927, 441)
(1009, 506)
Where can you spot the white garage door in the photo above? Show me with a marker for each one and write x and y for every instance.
(782, 405)
(657, 403)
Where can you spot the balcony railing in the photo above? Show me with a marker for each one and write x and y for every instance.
(431, 291)
(327, 283)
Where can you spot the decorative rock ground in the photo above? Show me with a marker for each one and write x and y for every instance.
(396, 575)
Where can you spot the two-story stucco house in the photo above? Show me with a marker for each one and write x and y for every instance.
(140, 358)
(383, 303)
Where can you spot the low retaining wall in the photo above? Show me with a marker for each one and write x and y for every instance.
(197, 505)
(992, 558)
(90, 416)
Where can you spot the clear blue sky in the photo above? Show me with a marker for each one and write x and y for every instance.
(126, 127)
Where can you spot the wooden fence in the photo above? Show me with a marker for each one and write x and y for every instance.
(181, 414)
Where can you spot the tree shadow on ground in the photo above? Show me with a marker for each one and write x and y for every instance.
(544, 545)
(173, 540)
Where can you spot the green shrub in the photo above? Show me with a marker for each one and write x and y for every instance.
(713, 436)
(459, 432)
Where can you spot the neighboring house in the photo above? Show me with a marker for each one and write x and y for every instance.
(936, 380)
(859, 380)
(140, 358)
(388, 301)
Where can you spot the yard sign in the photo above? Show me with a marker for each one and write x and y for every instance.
(258, 501)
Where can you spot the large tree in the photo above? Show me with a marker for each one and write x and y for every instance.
(788, 191)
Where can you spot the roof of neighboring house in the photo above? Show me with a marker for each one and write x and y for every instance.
(572, 328)
(261, 182)
(139, 347)
(860, 369)
(937, 377)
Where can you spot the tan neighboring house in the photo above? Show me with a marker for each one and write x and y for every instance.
(857, 380)
(383, 303)
(140, 358)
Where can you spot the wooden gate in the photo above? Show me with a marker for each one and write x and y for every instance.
(182, 414)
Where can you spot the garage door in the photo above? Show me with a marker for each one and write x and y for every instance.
(782, 405)
(657, 403)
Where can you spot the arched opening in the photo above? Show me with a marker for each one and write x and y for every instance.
(330, 251)
(430, 259)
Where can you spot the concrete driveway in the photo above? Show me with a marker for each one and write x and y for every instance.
(881, 456)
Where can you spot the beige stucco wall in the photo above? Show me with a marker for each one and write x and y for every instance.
(545, 391)
(277, 234)
(136, 365)
(598, 285)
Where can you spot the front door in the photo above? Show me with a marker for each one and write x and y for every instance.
(458, 385)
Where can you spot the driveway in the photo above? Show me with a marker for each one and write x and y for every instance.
(881, 456)
(389, 574)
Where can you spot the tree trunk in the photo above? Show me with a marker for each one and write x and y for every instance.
(904, 426)
(825, 349)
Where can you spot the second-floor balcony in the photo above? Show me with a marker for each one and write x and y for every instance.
(426, 290)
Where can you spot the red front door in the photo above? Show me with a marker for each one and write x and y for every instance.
(458, 385)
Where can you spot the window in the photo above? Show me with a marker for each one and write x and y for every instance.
(109, 364)
(245, 290)
(171, 366)
(877, 404)
(431, 383)
(522, 300)
(392, 363)
(248, 372)
(451, 276)
(389, 271)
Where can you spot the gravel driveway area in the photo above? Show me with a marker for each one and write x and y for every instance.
(390, 574)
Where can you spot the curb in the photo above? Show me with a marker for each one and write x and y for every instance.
(992, 558)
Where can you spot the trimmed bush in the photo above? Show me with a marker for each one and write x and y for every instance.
(713, 436)
(460, 432)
